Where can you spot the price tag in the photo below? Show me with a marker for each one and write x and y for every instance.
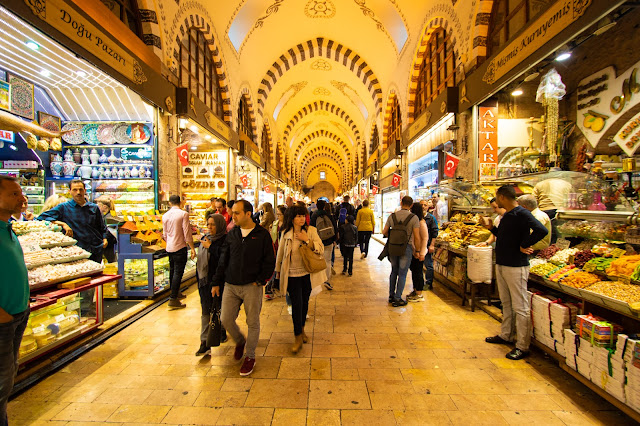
(563, 244)
(589, 267)
(39, 329)
(617, 252)
(59, 317)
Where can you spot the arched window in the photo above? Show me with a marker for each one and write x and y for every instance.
(266, 145)
(375, 140)
(197, 70)
(126, 11)
(437, 70)
(510, 16)
(395, 124)
(244, 119)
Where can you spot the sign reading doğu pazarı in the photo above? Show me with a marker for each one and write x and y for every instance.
(558, 17)
(602, 99)
(72, 24)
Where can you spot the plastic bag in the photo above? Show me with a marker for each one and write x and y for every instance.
(480, 264)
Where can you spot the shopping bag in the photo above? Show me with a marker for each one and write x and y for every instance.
(215, 326)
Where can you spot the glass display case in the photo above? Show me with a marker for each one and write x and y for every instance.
(61, 315)
(423, 174)
(130, 197)
(390, 203)
(147, 274)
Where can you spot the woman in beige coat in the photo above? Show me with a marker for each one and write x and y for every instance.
(294, 278)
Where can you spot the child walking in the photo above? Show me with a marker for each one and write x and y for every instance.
(348, 241)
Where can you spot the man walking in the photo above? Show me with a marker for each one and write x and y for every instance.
(81, 220)
(401, 221)
(327, 231)
(246, 264)
(14, 291)
(517, 233)
(177, 234)
(432, 226)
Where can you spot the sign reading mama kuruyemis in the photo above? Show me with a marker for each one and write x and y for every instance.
(604, 97)
(558, 17)
(69, 22)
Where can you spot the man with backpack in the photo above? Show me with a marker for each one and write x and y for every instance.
(399, 230)
(345, 209)
(328, 231)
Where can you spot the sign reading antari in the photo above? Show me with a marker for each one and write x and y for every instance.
(488, 142)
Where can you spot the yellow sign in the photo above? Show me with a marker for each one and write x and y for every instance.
(218, 125)
(385, 156)
(419, 124)
(557, 17)
(255, 157)
(69, 22)
(367, 172)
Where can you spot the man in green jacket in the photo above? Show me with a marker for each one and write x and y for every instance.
(14, 291)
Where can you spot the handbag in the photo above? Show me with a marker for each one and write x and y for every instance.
(313, 262)
(215, 326)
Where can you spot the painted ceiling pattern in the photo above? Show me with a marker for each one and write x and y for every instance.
(317, 73)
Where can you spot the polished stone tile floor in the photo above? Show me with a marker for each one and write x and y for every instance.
(367, 363)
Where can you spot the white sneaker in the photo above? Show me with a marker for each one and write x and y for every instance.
(362, 256)
(289, 310)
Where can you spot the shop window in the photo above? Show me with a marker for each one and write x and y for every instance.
(198, 72)
(244, 118)
(375, 140)
(437, 70)
(510, 16)
(127, 12)
(395, 124)
(266, 145)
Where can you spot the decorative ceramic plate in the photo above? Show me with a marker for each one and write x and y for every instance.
(90, 134)
(74, 137)
(105, 134)
(120, 133)
(139, 133)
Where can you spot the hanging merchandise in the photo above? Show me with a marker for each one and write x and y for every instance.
(451, 164)
(550, 91)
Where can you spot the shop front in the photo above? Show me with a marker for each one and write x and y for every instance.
(269, 187)
(249, 170)
(390, 181)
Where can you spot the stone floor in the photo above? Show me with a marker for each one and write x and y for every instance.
(367, 363)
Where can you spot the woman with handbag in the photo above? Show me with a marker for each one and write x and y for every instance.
(206, 265)
(300, 267)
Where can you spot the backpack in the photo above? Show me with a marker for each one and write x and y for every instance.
(349, 235)
(342, 216)
(432, 226)
(398, 236)
(325, 227)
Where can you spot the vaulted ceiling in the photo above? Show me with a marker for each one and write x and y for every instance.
(318, 71)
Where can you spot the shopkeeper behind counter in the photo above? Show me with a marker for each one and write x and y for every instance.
(80, 219)
(551, 195)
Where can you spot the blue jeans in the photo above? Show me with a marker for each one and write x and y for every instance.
(428, 263)
(399, 268)
(10, 337)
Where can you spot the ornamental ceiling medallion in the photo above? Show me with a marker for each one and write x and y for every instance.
(321, 91)
(320, 9)
(321, 65)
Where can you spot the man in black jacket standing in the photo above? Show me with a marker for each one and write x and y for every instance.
(246, 264)
(517, 232)
(328, 231)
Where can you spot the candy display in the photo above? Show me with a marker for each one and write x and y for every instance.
(623, 266)
(597, 331)
(25, 227)
(589, 229)
(580, 279)
(582, 257)
(563, 256)
(63, 271)
(544, 269)
(548, 252)
(599, 264)
(45, 239)
(55, 255)
(463, 235)
(629, 293)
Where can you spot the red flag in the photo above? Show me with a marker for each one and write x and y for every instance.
(183, 153)
(267, 189)
(374, 190)
(363, 192)
(396, 180)
(451, 164)
(245, 181)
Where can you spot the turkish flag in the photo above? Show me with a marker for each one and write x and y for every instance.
(267, 189)
(363, 192)
(374, 190)
(183, 153)
(396, 180)
(245, 181)
(450, 165)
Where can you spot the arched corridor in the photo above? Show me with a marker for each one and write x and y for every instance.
(367, 363)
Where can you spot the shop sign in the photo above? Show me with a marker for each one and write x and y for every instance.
(395, 181)
(17, 164)
(217, 124)
(602, 99)
(245, 180)
(69, 22)
(374, 190)
(451, 164)
(488, 142)
(183, 153)
(556, 18)
(137, 153)
(367, 171)
(628, 137)
(420, 123)
(255, 157)
(6, 136)
(206, 171)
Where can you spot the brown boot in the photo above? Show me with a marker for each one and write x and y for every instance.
(305, 338)
(297, 345)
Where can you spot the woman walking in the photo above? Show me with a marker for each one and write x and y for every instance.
(294, 278)
(275, 228)
(267, 216)
(348, 242)
(206, 265)
(365, 221)
(419, 253)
